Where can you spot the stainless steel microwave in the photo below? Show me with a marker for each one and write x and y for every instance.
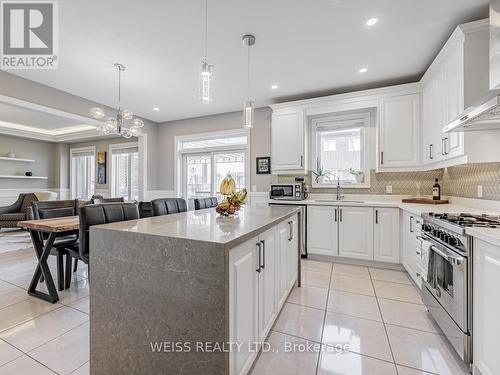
(287, 191)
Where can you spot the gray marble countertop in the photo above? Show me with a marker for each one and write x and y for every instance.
(207, 225)
(491, 235)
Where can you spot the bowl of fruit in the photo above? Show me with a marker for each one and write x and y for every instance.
(233, 199)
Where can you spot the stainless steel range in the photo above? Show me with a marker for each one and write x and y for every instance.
(447, 289)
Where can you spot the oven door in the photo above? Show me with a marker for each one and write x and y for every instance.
(447, 281)
(282, 191)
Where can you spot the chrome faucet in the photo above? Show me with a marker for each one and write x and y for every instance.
(339, 195)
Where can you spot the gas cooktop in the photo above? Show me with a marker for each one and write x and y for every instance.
(468, 220)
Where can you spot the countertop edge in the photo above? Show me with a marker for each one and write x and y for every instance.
(489, 235)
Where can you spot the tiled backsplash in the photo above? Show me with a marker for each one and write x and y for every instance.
(459, 181)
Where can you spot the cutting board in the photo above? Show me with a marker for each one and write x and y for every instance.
(425, 201)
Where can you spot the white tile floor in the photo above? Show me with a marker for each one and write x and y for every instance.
(377, 312)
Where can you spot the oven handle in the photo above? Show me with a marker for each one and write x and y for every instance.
(450, 258)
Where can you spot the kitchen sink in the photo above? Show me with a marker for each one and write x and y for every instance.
(338, 201)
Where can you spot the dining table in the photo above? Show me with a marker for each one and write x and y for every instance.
(54, 227)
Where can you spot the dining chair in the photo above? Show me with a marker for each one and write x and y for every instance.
(49, 210)
(201, 203)
(167, 206)
(97, 214)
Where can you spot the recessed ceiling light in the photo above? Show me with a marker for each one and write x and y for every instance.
(363, 70)
(371, 21)
(274, 87)
(156, 109)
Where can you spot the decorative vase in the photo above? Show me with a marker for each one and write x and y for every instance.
(359, 178)
(29, 173)
(11, 154)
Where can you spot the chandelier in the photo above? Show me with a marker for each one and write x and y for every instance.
(123, 123)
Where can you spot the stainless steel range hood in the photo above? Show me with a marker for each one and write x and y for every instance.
(486, 114)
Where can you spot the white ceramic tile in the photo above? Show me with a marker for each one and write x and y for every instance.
(8, 353)
(350, 270)
(314, 265)
(76, 291)
(23, 278)
(331, 363)
(38, 331)
(424, 351)
(352, 284)
(309, 296)
(400, 292)
(409, 371)
(353, 304)
(24, 311)
(82, 304)
(23, 366)
(66, 353)
(83, 370)
(10, 294)
(279, 361)
(313, 278)
(408, 315)
(364, 336)
(390, 275)
(301, 321)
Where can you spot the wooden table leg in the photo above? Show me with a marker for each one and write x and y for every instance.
(42, 252)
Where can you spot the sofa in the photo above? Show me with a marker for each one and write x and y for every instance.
(16, 212)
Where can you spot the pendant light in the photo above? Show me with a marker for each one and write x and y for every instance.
(248, 106)
(123, 123)
(206, 68)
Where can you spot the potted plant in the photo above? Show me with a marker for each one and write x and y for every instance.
(320, 173)
(358, 175)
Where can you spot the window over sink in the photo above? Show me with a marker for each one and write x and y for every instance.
(340, 150)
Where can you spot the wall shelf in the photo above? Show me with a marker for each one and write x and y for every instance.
(26, 177)
(17, 159)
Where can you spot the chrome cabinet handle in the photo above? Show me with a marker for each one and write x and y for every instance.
(446, 146)
(381, 157)
(336, 215)
(263, 265)
(442, 147)
(376, 216)
(431, 151)
(411, 224)
(291, 230)
(301, 160)
(260, 258)
(340, 215)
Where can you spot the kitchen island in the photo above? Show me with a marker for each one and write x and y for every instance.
(189, 293)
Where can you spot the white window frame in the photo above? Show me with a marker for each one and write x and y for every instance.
(120, 146)
(179, 165)
(342, 121)
(76, 150)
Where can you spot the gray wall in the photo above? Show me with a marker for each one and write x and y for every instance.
(24, 89)
(260, 143)
(45, 163)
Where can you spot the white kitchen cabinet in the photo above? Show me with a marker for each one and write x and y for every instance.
(386, 235)
(409, 232)
(261, 274)
(288, 141)
(399, 131)
(486, 308)
(322, 230)
(356, 232)
(244, 303)
(267, 281)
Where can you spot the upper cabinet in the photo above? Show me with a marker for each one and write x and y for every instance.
(399, 131)
(288, 141)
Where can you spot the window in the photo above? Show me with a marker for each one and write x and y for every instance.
(206, 159)
(340, 148)
(125, 171)
(82, 172)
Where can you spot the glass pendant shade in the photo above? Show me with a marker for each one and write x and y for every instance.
(138, 123)
(206, 82)
(97, 113)
(127, 114)
(248, 114)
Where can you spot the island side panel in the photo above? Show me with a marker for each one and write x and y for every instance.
(150, 289)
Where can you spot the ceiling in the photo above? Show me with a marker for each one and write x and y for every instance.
(305, 47)
(35, 119)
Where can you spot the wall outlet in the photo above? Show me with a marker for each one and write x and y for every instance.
(388, 189)
(479, 191)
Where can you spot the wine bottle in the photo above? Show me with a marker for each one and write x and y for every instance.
(436, 191)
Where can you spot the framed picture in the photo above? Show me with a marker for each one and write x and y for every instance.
(101, 167)
(264, 165)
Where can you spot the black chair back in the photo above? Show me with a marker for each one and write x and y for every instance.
(108, 200)
(52, 209)
(201, 203)
(167, 206)
(102, 214)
